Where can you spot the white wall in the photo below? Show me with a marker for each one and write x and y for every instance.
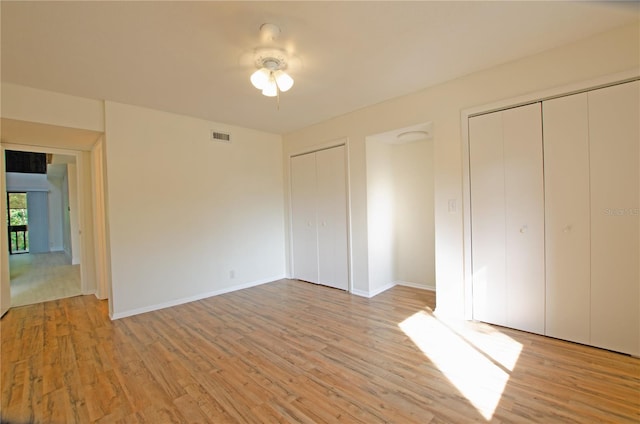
(85, 224)
(74, 216)
(381, 223)
(185, 211)
(607, 53)
(66, 221)
(98, 204)
(18, 181)
(46, 107)
(414, 220)
(55, 213)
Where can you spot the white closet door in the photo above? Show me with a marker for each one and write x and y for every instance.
(507, 218)
(524, 203)
(567, 222)
(488, 218)
(303, 217)
(333, 267)
(614, 123)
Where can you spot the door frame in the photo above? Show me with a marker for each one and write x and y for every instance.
(312, 149)
(84, 247)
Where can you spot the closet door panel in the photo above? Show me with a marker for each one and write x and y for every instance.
(488, 218)
(303, 217)
(524, 206)
(567, 223)
(615, 232)
(333, 269)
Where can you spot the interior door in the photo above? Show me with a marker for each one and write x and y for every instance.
(333, 268)
(507, 218)
(304, 217)
(319, 218)
(524, 203)
(5, 282)
(614, 132)
(567, 221)
(488, 216)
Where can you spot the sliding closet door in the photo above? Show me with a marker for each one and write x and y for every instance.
(614, 125)
(332, 218)
(507, 217)
(567, 223)
(304, 217)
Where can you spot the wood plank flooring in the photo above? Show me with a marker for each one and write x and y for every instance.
(293, 352)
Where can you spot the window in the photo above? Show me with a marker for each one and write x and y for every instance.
(18, 222)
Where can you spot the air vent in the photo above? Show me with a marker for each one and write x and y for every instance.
(220, 136)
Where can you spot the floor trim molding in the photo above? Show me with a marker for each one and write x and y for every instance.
(200, 296)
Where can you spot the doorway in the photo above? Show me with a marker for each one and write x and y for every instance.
(400, 208)
(44, 247)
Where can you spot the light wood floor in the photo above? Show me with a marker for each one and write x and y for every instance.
(295, 352)
(40, 277)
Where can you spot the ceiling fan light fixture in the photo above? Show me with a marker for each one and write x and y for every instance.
(270, 89)
(284, 81)
(271, 63)
(260, 78)
(271, 77)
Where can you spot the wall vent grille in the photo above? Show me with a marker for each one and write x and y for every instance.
(220, 136)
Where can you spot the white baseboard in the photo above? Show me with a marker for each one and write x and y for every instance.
(382, 289)
(430, 287)
(200, 296)
(361, 293)
(370, 294)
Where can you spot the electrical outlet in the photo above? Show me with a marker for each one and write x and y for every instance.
(232, 274)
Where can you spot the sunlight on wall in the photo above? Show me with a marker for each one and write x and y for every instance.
(476, 362)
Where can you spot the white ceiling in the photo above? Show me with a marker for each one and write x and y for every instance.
(194, 58)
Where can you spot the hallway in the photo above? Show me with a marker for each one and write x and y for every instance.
(40, 277)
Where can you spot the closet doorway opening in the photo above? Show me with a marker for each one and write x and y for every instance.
(400, 208)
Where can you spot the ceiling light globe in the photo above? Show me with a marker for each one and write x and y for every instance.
(260, 78)
(285, 82)
(270, 89)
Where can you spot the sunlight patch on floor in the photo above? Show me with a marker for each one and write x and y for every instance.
(476, 362)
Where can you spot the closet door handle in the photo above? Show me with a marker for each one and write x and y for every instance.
(566, 229)
(524, 229)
